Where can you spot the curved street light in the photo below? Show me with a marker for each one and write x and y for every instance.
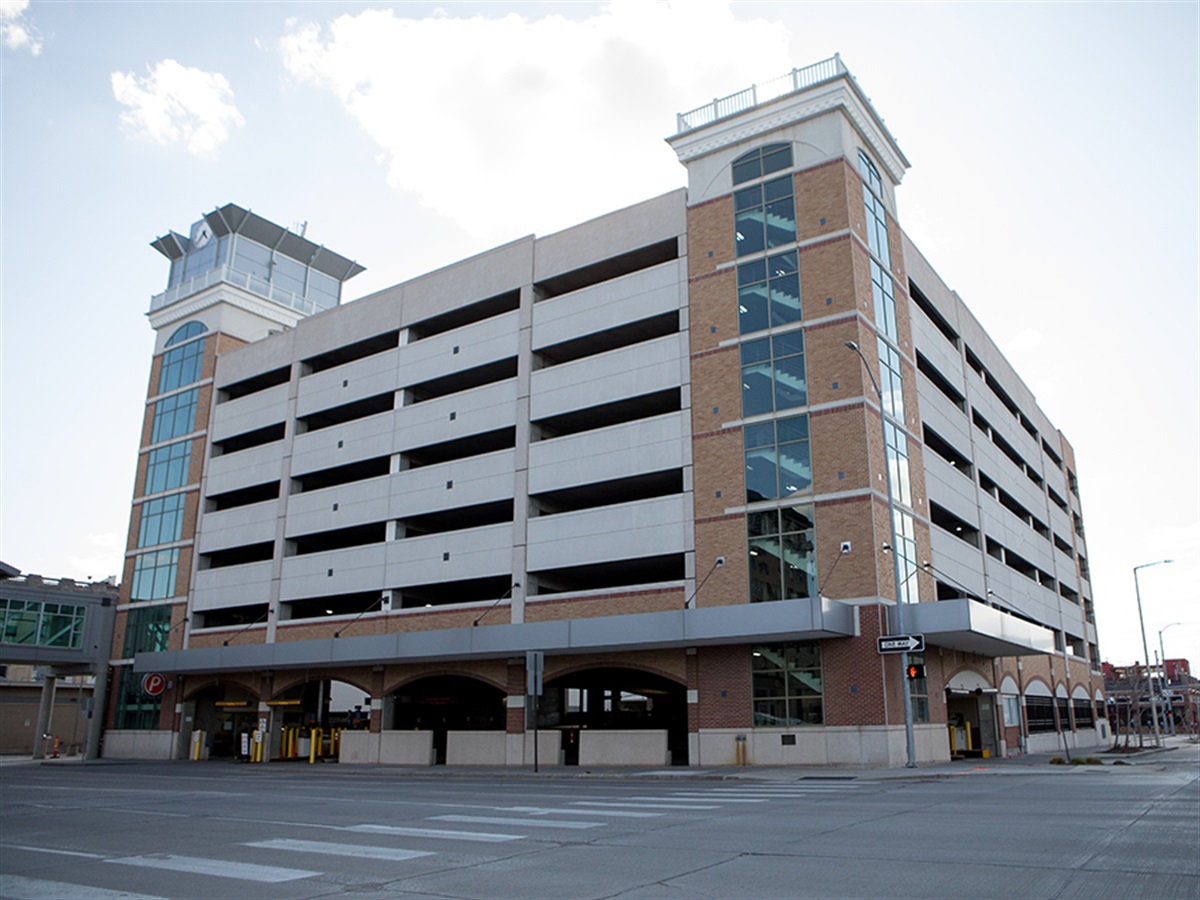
(1146, 647)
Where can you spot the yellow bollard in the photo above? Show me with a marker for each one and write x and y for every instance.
(314, 741)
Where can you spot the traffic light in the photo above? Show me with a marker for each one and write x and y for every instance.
(915, 671)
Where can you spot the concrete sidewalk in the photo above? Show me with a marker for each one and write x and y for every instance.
(1018, 765)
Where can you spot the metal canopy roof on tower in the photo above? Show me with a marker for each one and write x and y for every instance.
(232, 219)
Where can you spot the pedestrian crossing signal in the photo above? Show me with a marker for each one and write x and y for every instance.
(915, 671)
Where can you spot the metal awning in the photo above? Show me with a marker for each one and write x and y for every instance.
(708, 626)
(974, 627)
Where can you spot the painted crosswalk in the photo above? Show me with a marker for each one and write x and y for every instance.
(221, 868)
(331, 848)
(381, 844)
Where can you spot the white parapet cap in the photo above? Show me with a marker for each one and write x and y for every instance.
(797, 95)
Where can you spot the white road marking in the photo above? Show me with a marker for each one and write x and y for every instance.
(435, 833)
(16, 887)
(366, 851)
(724, 798)
(218, 868)
(52, 850)
(607, 803)
(549, 810)
(523, 823)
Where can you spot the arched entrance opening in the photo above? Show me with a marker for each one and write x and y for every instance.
(225, 712)
(971, 711)
(445, 703)
(615, 699)
(313, 714)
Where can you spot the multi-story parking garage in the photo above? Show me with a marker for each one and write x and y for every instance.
(671, 449)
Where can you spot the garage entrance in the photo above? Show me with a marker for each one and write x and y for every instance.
(610, 699)
(971, 716)
(444, 703)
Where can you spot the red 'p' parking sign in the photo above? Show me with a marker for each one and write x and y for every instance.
(154, 683)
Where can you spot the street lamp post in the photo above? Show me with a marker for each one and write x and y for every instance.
(1146, 647)
(909, 741)
(1162, 655)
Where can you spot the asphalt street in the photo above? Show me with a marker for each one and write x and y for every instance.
(218, 829)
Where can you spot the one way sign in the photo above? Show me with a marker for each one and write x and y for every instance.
(902, 643)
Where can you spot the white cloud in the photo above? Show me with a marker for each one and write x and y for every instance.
(175, 103)
(509, 125)
(16, 31)
(1024, 341)
(103, 556)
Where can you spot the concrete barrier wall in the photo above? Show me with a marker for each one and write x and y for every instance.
(406, 748)
(476, 748)
(623, 748)
(139, 744)
(520, 748)
(822, 746)
(388, 748)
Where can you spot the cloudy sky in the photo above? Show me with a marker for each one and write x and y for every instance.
(1053, 185)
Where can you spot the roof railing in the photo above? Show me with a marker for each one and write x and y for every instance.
(789, 83)
(229, 275)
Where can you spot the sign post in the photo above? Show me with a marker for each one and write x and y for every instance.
(534, 663)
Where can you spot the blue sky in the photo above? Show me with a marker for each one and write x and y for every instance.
(1053, 185)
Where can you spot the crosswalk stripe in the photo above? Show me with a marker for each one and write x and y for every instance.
(216, 867)
(549, 810)
(724, 798)
(487, 837)
(330, 848)
(55, 851)
(523, 823)
(632, 805)
(18, 887)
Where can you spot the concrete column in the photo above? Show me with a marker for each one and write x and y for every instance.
(96, 718)
(45, 714)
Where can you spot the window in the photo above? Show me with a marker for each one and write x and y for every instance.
(162, 520)
(891, 380)
(43, 624)
(1011, 705)
(174, 416)
(181, 366)
(777, 457)
(787, 684)
(782, 560)
(167, 467)
(253, 259)
(134, 709)
(897, 457)
(768, 292)
(906, 536)
(154, 575)
(885, 301)
(146, 630)
(762, 161)
(186, 332)
(877, 237)
(773, 374)
(1085, 713)
(1040, 712)
(764, 216)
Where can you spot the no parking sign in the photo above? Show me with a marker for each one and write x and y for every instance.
(154, 683)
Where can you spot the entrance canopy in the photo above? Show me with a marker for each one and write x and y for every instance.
(974, 627)
(782, 620)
